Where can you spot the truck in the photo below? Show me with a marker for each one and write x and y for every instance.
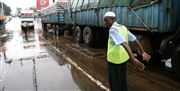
(2, 19)
(27, 16)
(156, 24)
(2, 22)
(53, 16)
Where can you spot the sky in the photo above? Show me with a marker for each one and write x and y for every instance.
(20, 4)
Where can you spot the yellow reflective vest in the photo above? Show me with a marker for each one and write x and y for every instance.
(117, 54)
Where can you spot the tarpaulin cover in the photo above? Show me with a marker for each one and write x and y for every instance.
(132, 3)
(85, 4)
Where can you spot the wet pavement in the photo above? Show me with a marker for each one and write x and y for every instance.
(93, 62)
(51, 63)
(32, 66)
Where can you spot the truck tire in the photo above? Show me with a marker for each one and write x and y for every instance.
(44, 27)
(169, 44)
(88, 36)
(60, 31)
(176, 62)
(78, 36)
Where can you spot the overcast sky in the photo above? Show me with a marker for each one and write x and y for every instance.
(20, 3)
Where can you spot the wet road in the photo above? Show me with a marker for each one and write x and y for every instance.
(48, 62)
(30, 66)
(93, 63)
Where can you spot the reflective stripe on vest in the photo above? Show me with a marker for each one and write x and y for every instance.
(116, 53)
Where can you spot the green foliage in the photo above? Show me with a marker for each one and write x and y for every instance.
(33, 8)
(7, 9)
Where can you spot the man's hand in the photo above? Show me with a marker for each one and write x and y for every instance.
(140, 66)
(145, 56)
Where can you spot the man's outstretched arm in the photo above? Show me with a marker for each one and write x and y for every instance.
(140, 66)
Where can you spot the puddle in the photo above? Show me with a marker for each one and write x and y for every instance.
(85, 51)
(34, 68)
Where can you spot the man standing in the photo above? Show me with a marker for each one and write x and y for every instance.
(119, 52)
(25, 29)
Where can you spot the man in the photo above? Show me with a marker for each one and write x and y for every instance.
(119, 52)
(25, 29)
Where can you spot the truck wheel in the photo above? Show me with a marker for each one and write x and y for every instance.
(44, 27)
(176, 61)
(88, 36)
(60, 31)
(78, 36)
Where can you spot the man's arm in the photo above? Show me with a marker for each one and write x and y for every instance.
(133, 38)
(140, 66)
(119, 40)
(144, 54)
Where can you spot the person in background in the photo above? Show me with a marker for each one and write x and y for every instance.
(25, 29)
(119, 52)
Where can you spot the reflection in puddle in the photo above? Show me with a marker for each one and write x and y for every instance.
(34, 68)
(87, 85)
(29, 46)
(37, 57)
(35, 76)
(84, 80)
(86, 52)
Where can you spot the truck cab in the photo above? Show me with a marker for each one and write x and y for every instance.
(27, 16)
(2, 24)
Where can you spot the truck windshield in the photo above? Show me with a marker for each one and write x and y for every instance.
(27, 15)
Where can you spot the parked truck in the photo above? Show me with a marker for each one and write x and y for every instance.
(27, 16)
(53, 16)
(2, 23)
(156, 23)
(2, 19)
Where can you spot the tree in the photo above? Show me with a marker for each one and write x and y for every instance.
(7, 9)
(33, 8)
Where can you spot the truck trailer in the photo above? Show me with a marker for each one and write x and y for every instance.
(156, 24)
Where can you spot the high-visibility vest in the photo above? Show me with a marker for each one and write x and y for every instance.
(116, 53)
